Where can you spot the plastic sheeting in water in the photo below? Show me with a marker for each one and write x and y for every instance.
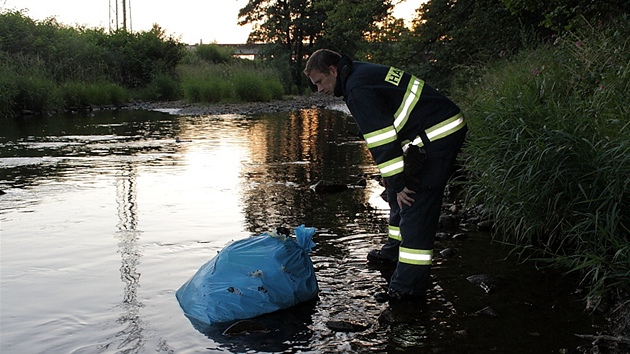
(251, 277)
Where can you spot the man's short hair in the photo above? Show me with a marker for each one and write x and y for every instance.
(321, 60)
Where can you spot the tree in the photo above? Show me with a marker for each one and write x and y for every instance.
(560, 15)
(451, 34)
(385, 44)
(137, 58)
(349, 23)
(286, 25)
(294, 28)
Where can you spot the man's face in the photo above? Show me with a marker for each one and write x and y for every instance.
(325, 82)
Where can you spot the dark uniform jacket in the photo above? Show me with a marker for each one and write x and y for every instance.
(392, 108)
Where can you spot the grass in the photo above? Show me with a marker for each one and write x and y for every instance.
(549, 154)
(240, 82)
(28, 86)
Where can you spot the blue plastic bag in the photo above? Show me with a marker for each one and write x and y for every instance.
(251, 277)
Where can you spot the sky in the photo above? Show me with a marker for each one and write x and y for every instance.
(192, 21)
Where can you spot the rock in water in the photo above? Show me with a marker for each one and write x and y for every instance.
(245, 327)
(447, 252)
(323, 187)
(345, 326)
(487, 282)
(488, 311)
(485, 225)
(484, 278)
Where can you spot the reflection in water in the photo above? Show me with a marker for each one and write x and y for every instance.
(288, 332)
(131, 337)
(126, 198)
(290, 154)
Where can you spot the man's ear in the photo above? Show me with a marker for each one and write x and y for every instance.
(333, 70)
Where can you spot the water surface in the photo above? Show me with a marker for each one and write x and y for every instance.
(106, 215)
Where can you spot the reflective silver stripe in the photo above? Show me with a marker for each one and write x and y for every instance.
(394, 232)
(409, 102)
(440, 130)
(380, 137)
(415, 256)
(445, 128)
(392, 167)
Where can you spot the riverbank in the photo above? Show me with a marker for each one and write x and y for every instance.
(289, 103)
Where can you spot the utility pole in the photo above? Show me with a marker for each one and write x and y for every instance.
(124, 8)
(118, 20)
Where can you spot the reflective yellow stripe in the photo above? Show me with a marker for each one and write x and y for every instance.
(392, 167)
(414, 89)
(380, 137)
(440, 130)
(446, 127)
(415, 256)
(394, 232)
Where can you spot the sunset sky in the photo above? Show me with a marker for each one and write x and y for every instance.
(190, 20)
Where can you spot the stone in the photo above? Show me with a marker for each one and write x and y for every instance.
(346, 326)
(245, 327)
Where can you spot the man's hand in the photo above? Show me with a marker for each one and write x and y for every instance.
(403, 197)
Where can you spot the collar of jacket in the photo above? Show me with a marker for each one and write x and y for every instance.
(343, 71)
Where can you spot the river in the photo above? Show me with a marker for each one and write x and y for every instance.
(106, 214)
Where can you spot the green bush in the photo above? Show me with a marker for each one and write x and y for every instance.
(102, 93)
(111, 94)
(206, 90)
(8, 89)
(38, 94)
(549, 152)
(251, 87)
(74, 95)
(235, 82)
(51, 58)
(162, 88)
(213, 53)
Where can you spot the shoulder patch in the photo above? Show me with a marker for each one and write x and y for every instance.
(393, 76)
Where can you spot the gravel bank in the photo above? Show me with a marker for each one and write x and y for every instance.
(292, 103)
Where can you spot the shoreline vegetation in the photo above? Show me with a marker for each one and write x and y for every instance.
(548, 152)
(286, 104)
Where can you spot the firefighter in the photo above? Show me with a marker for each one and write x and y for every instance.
(414, 134)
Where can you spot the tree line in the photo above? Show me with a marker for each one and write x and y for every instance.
(446, 38)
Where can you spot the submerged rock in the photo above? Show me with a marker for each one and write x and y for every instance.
(486, 282)
(487, 311)
(325, 187)
(449, 221)
(447, 252)
(485, 225)
(441, 235)
(460, 236)
(328, 187)
(245, 327)
(346, 326)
